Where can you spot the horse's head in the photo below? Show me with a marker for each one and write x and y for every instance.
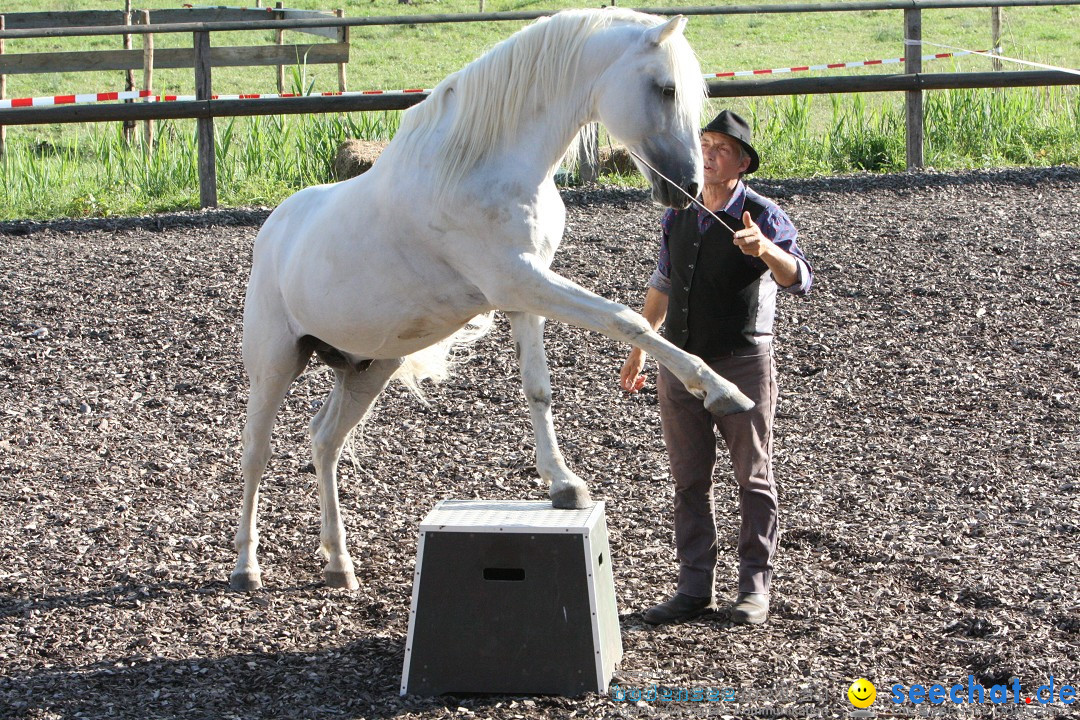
(650, 99)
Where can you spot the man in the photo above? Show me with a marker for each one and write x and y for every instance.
(715, 284)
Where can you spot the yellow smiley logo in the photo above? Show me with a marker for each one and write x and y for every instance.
(862, 693)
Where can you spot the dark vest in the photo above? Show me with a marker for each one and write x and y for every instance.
(715, 306)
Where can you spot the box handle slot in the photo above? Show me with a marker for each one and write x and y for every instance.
(504, 574)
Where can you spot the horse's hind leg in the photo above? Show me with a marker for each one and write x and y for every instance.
(270, 372)
(566, 490)
(354, 392)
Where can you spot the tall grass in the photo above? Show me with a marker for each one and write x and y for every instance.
(261, 160)
(964, 129)
(1035, 127)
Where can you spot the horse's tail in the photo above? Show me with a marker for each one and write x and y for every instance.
(434, 362)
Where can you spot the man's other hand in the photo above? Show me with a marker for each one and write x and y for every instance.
(630, 378)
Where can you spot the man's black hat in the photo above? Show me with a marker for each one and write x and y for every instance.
(730, 123)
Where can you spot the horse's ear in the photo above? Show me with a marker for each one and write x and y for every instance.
(659, 34)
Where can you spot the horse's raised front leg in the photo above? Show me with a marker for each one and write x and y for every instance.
(529, 286)
(354, 392)
(566, 489)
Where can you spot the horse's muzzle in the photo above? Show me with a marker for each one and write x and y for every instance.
(675, 196)
(674, 186)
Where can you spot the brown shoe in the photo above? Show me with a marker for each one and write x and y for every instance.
(749, 609)
(679, 608)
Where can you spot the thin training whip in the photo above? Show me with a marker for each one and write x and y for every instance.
(994, 54)
(692, 198)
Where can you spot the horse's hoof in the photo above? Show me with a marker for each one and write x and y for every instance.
(245, 581)
(573, 497)
(728, 403)
(340, 579)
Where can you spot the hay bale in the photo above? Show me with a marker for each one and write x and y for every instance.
(616, 159)
(355, 157)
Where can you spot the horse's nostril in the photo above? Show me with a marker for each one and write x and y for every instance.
(692, 189)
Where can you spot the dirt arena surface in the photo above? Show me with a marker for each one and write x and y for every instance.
(928, 448)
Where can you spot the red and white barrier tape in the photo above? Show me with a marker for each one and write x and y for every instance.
(71, 99)
(150, 97)
(834, 66)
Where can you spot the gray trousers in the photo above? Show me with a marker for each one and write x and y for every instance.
(690, 436)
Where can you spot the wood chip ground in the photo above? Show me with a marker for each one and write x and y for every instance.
(927, 447)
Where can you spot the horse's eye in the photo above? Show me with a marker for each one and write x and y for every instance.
(668, 91)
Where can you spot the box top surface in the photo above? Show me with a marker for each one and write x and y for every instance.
(509, 516)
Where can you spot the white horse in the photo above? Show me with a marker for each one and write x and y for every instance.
(459, 217)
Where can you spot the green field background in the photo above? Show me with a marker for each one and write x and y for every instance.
(420, 55)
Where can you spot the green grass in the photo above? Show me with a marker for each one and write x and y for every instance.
(73, 170)
(421, 55)
(964, 129)
(260, 161)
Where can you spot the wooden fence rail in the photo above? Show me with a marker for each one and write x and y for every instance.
(54, 62)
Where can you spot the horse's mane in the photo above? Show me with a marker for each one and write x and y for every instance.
(527, 70)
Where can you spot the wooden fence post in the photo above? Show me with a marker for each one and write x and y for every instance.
(995, 37)
(3, 92)
(913, 66)
(148, 80)
(589, 153)
(203, 91)
(129, 78)
(280, 34)
(343, 37)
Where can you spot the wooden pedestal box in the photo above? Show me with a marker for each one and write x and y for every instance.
(512, 597)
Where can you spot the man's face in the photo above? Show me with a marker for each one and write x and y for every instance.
(724, 158)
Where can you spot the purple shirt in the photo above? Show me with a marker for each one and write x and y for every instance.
(774, 224)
